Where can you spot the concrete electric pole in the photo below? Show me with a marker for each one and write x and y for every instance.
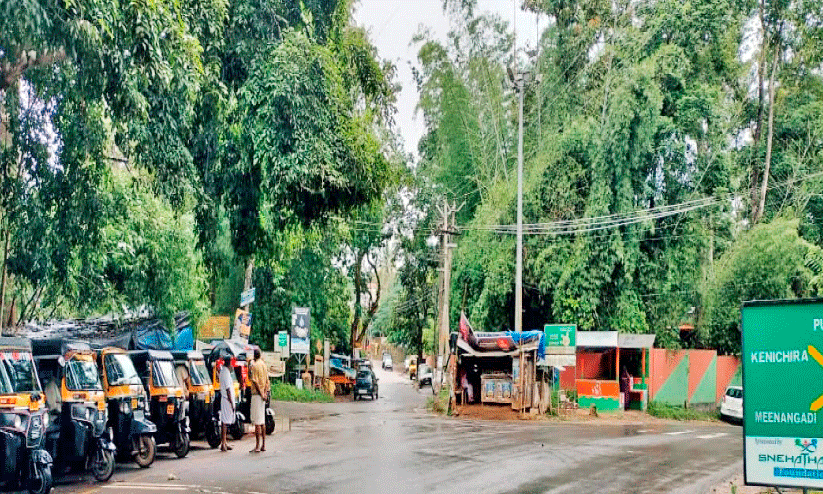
(447, 212)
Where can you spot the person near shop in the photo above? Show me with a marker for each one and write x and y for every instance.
(625, 388)
(260, 386)
(227, 402)
(465, 384)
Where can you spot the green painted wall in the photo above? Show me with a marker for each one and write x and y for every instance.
(603, 404)
(707, 387)
(737, 380)
(675, 391)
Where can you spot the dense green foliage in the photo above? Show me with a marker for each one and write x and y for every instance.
(149, 151)
(638, 106)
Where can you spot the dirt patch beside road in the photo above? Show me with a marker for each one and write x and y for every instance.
(504, 412)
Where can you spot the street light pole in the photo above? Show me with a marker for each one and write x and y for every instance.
(520, 84)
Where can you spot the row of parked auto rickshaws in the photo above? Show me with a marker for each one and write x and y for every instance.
(68, 405)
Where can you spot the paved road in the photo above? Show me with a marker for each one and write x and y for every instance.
(392, 445)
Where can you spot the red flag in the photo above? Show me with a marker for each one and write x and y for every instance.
(465, 327)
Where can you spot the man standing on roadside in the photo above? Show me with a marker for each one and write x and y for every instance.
(227, 402)
(259, 377)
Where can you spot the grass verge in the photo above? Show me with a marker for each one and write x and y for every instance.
(286, 392)
(439, 403)
(664, 411)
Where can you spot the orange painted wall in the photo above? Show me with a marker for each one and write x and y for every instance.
(663, 362)
(594, 365)
(588, 387)
(699, 361)
(727, 366)
(567, 378)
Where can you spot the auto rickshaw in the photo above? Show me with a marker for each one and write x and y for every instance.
(191, 371)
(78, 436)
(166, 397)
(128, 407)
(25, 464)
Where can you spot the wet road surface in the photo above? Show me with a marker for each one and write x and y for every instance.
(392, 445)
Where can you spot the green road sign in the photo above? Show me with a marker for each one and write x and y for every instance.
(783, 393)
(560, 335)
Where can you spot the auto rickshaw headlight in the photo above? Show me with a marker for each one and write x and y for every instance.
(125, 408)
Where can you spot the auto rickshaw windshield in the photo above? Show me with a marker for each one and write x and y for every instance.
(81, 375)
(199, 374)
(5, 382)
(19, 367)
(120, 370)
(163, 375)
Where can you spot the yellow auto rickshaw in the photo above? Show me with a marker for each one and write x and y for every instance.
(192, 372)
(167, 402)
(128, 406)
(79, 436)
(23, 421)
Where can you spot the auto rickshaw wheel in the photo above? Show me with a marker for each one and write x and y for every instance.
(103, 465)
(213, 435)
(145, 450)
(269, 424)
(236, 430)
(42, 482)
(182, 444)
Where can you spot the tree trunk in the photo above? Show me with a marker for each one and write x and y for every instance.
(764, 186)
(7, 232)
(758, 129)
(358, 289)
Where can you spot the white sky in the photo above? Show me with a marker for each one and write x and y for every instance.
(393, 23)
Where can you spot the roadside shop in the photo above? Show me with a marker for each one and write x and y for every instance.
(612, 370)
(500, 368)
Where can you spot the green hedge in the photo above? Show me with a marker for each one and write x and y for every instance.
(286, 392)
(664, 411)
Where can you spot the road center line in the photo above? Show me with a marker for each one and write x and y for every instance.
(677, 433)
(712, 436)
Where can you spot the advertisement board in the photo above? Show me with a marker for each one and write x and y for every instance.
(242, 324)
(300, 330)
(247, 297)
(561, 339)
(783, 393)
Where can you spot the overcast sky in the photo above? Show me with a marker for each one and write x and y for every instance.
(393, 23)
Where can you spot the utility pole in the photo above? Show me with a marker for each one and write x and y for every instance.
(520, 81)
(447, 212)
(518, 275)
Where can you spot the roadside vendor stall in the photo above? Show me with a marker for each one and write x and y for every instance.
(498, 367)
(612, 370)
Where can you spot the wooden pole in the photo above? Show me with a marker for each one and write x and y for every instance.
(643, 364)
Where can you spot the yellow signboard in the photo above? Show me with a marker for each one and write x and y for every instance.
(216, 327)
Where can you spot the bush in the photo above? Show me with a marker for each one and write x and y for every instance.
(665, 411)
(286, 392)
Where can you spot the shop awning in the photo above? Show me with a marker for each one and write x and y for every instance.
(635, 340)
(468, 350)
(613, 339)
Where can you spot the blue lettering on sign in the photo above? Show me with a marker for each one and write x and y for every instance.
(798, 473)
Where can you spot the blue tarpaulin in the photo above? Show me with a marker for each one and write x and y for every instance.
(152, 336)
(528, 337)
(184, 339)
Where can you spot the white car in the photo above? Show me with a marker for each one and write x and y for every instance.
(732, 405)
(424, 375)
(387, 362)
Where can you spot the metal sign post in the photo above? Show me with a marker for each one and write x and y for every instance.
(783, 399)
